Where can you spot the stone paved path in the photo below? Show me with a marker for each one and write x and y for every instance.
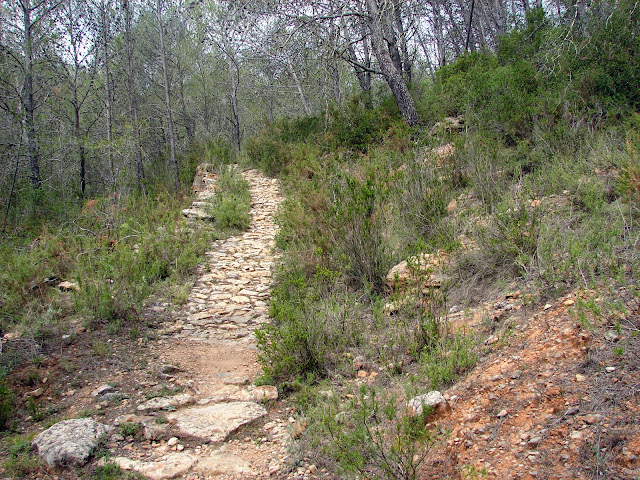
(224, 427)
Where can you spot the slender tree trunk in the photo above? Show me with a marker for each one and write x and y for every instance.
(188, 121)
(173, 160)
(303, 98)
(133, 101)
(469, 26)
(402, 40)
(363, 76)
(235, 113)
(107, 91)
(389, 71)
(28, 100)
(80, 143)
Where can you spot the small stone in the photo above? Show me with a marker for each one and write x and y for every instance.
(101, 390)
(491, 340)
(610, 369)
(534, 442)
(503, 413)
(179, 447)
(547, 306)
(569, 302)
(313, 469)
(572, 411)
(35, 393)
(580, 378)
(433, 399)
(238, 381)
(172, 441)
(264, 393)
(168, 369)
(362, 374)
(590, 419)
(612, 336)
(69, 286)
(274, 469)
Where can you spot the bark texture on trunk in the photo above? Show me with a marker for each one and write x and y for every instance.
(28, 102)
(173, 160)
(133, 100)
(392, 76)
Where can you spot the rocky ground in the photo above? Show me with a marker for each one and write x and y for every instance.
(180, 400)
(554, 395)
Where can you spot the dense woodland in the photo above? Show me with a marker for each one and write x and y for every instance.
(111, 96)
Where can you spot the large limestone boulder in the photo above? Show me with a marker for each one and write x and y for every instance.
(170, 466)
(214, 423)
(70, 442)
(421, 270)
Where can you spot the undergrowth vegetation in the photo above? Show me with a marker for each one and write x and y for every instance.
(94, 268)
(537, 190)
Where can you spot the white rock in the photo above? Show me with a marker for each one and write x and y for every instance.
(216, 422)
(164, 403)
(70, 442)
(168, 467)
(222, 463)
(433, 399)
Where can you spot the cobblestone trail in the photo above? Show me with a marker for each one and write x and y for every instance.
(229, 300)
(208, 345)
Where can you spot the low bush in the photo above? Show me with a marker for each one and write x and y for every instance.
(230, 205)
(371, 435)
(314, 323)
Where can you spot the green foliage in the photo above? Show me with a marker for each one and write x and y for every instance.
(18, 461)
(111, 471)
(372, 435)
(357, 127)
(443, 361)
(118, 251)
(129, 429)
(314, 322)
(357, 246)
(230, 205)
(7, 402)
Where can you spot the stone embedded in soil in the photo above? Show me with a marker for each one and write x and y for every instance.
(165, 403)
(216, 422)
(70, 442)
(101, 390)
(433, 399)
(170, 466)
(236, 381)
(222, 463)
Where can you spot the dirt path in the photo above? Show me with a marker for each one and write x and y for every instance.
(218, 425)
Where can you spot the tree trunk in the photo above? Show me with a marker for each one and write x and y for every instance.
(389, 71)
(28, 101)
(305, 102)
(235, 114)
(133, 101)
(107, 88)
(173, 160)
(402, 40)
(188, 122)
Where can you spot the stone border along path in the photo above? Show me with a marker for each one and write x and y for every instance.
(210, 342)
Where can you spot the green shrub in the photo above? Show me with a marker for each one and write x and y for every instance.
(230, 205)
(357, 246)
(7, 402)
(372, 435)
(314, 323)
